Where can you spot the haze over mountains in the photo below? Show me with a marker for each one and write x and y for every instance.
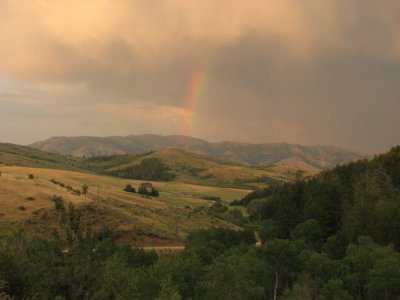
(282, 154)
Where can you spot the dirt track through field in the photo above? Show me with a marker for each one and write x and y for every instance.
(164, 248)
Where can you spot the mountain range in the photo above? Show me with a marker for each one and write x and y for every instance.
(278, 154)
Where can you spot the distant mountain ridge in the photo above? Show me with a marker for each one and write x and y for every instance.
(279, 154)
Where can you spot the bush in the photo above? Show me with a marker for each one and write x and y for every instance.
(30, 176)
(58, 202)
(155, 193)
(130, 189)
(235, 216)
(218, 207)
(146, 188)
(211, 198)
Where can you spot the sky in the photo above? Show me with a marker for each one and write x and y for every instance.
(298, 71)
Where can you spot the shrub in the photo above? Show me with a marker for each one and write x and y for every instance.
(218, 207)
(58, 202)
(211, 198)
(130, 189)
(22, 208)
(146, 188)
(85, 189)
(53, 181)
(30, 176)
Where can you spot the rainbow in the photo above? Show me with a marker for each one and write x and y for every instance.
(195, 91)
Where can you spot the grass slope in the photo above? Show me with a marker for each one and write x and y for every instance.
(16, 155)
(188, 167)
(198, 169)
(138, 220)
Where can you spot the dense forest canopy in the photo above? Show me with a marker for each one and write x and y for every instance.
(361, 198)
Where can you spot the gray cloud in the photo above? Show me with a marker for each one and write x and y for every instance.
(312, 72)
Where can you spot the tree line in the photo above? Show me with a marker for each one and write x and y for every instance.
(147, 169)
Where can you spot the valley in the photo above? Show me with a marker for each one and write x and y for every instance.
(183, 166)
(199, 150)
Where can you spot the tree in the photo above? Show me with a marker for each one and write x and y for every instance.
(281, 255)
(385, 277)
(301, 290)
(321, 269)
(85, 189)
(268, 230)
(118, 280)
(310, 231)
(146, 188)
(58, 202)
(168, 291)
(361, 258)
(155, 193)
(129, 188)
(334, 290)
(224, 286)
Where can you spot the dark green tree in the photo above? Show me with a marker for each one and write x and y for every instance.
(85, 189)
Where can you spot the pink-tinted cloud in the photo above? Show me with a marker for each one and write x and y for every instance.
(306, 71)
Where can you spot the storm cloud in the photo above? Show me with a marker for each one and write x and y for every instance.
(310, 72)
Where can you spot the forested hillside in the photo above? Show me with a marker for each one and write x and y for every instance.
(182, 166)
(361, 198)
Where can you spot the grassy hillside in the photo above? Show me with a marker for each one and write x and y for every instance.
(320, 157)
(15, 155)
(183, 166)
(195, 168)
(27, 203)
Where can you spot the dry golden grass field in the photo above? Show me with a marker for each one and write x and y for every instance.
(204, 170)
(26, 204)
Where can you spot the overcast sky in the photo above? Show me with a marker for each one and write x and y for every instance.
(297, 71)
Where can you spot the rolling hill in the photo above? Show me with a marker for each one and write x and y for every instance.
(26, 204)
(183, 166)
(195, 168)
(320, 157)
(16, 155)
(30, 178)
